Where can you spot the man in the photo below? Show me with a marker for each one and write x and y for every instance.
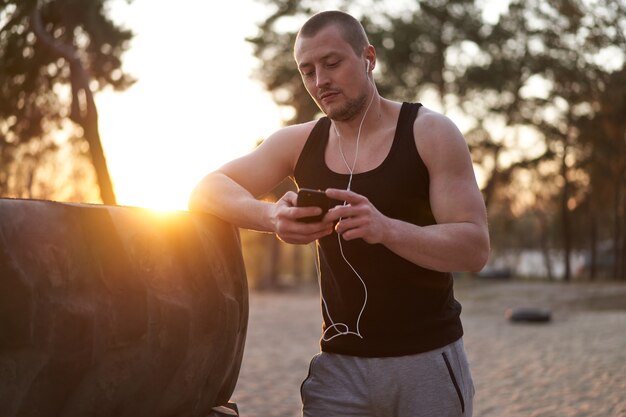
(392, 340)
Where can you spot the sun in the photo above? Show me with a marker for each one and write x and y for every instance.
(156, 157)
(159, 168)
(151, 191)
(190, 113)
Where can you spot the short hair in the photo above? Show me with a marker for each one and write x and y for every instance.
(351, 29)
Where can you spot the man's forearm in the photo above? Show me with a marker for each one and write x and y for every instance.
(219, 195)
(454, 247)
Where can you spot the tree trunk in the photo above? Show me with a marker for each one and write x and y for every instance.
(565, 218)
(622, 275)
(271, 278)
(492, 182)
(89, 122)
(84, 111)
(616, 229)
(593, 234)
(296, 264)
(593, 255)
(545, 246)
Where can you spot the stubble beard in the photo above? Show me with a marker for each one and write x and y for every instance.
(349, 110)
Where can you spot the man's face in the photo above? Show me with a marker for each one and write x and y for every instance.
(332, 73)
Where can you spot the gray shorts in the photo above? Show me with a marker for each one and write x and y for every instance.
(431, 384)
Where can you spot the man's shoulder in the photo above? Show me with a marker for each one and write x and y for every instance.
(429, 119)
(431, 125)
(287, 143)
(437, 136)
(293, 132)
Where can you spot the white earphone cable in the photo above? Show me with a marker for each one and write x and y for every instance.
(351, 169)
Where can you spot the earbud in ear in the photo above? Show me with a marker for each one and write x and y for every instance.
(367, 66)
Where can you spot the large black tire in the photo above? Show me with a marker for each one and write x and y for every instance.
(117, 311)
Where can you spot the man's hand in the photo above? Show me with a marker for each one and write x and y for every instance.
(359, 217)
(287, 227)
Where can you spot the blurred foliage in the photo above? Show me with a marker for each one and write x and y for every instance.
(541, 92)
(272, 264)
(53, 55)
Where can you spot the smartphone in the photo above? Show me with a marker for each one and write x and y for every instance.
(308, 197)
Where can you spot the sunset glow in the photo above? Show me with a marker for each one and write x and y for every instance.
(194, 106)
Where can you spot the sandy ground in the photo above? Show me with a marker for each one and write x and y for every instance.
(574, 366)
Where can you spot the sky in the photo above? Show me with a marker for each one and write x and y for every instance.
(195, 105)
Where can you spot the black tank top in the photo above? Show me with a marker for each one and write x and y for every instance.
(409, 309)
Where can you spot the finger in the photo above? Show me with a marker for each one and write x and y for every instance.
(353, 233)
(302, 212)
(354, 222)
(347, 224)
(348, 211)
(297, 227)
(327, 231)
(305, 238)
(291, 198)
(348, 234)
(344, 195)
(337, 213)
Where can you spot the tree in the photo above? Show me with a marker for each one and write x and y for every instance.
(278, 73)
(53, 56)
(589, 96)
(539, 102)
(609, 159)
(413, 57)
(539, 69)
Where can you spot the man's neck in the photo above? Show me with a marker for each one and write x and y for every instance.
(369, 120)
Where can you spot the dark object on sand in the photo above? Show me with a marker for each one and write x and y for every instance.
(118, 311)
(528, 314)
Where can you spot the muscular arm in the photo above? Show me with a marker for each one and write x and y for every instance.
(460, 240)
(220, 195)
(232, 191)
